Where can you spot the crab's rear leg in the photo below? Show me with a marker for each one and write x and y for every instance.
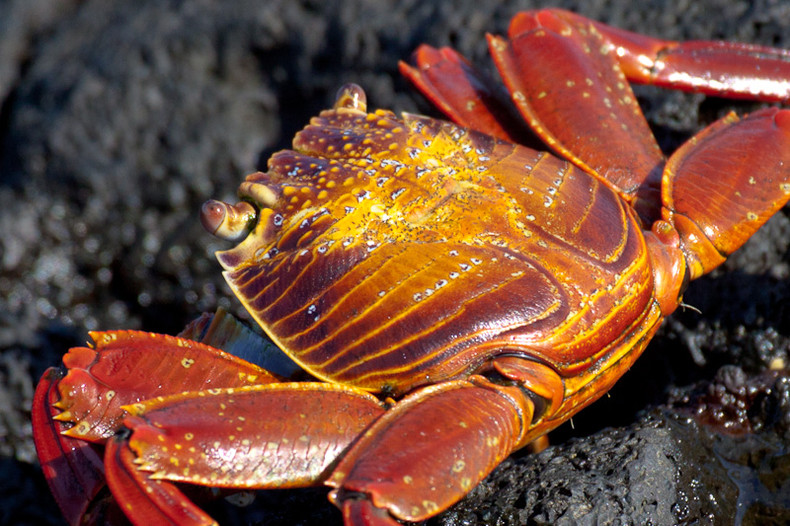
(726, 182)
(576, 100)
(725, 69)
(466, 95)
(274, 436)
(566, 82)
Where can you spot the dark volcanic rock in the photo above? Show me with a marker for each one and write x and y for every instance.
(623, 475)
(118, 119)
(675, 465)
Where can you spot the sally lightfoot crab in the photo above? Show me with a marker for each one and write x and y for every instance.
(451, 294)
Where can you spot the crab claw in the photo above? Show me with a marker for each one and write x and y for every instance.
(226, 221)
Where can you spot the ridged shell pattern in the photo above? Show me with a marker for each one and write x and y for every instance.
(402, 252)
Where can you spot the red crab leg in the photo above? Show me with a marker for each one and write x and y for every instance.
(430, 450)
(569, 88)
(466, 95)
(725, 183)
(72, 467)
(550, 77)
(724, 69)
(129, 366)
(85, 403)
(271, 436)
(150, 502)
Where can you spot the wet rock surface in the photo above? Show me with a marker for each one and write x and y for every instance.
(118, 119)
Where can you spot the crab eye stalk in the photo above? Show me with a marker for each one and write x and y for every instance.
(351, 96)
(226, 221)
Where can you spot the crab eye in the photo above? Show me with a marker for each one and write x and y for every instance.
(226, 221)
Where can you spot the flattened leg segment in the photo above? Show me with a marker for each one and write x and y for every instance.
(427, 452)
(128, 366)
(726, 182)
(466, 95)
(278, 435)
(268, 436)
(567, 84)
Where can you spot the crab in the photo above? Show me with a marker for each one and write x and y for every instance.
(451, 294)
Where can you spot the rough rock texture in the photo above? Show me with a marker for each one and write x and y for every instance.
(118, 119)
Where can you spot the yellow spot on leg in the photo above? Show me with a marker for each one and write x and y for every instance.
(430, 506)
(82, 428)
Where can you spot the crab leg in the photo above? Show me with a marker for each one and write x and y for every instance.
(466, 95)
(568, 86)
(84, 403)
(272, 436)
(73, 468)
(725, 183)
(724, 69)
(128, 366)
(457, 433)
(568, 78)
